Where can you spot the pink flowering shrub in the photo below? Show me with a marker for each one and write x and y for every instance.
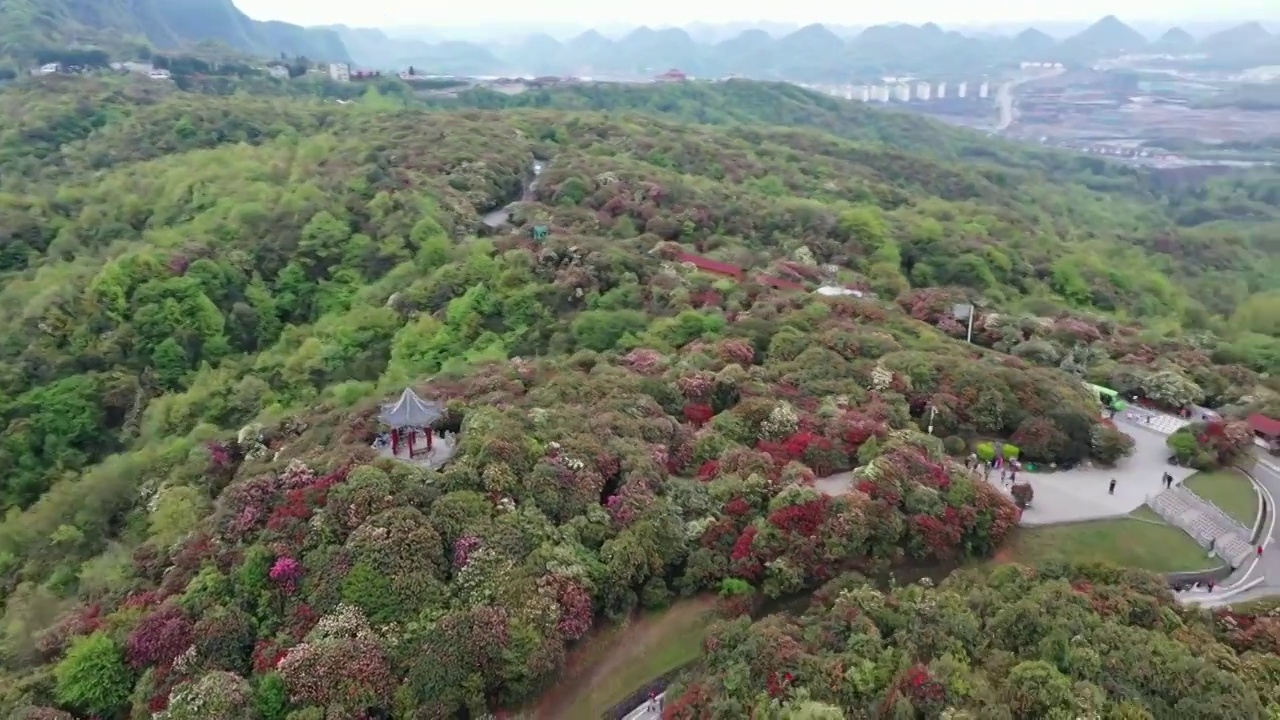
(297, 475)
(246, 505)
(219, 454)
(462, 549)
(697, 386)
(643, 361)
(576, 609)
(738, 351)
(342, 675)
(159, 637)
(286, 572)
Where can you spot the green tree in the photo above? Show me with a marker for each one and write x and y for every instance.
(93, 677)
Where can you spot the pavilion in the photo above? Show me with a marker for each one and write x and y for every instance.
(408, 416)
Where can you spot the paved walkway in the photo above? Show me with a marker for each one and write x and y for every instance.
(1260, 576)
(644, 713)
(1082, 493)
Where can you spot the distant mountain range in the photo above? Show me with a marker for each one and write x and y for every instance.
(28, 26)
(815, 53)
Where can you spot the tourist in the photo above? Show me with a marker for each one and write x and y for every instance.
(1111, 490)
(1259, 551)
(1209, 586)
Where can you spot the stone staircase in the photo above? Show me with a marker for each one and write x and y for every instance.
(1205, 522)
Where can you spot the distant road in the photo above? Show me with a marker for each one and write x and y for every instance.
(1004, 97)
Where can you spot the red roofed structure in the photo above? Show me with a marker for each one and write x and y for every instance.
(1266, 428)
(712, 266)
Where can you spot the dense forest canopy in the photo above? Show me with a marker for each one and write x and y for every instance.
(1064, 642)
(206, 298)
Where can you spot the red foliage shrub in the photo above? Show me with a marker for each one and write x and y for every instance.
(742, 563)
(159, 637)
(267, 654)
(709, 470)
(698, 413)
(737, 508)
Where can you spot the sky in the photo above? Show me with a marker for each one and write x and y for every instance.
(392, 13)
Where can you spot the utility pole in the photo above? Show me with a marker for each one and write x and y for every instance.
(969, 337)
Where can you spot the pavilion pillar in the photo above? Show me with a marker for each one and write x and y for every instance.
(429, 432)
(412, 432)
(395, 441)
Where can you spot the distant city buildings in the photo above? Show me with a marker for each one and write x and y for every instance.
(280, 72)
(340, 72)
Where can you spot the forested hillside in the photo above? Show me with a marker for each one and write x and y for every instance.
(203, 301)
(1066, 642)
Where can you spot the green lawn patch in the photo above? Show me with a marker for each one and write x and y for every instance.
(1135, 541)
(617, 659)
(1229, 490)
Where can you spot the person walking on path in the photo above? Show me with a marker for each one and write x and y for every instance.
(1259, 551)
(1111, 489)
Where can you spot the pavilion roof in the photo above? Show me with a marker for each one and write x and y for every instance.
(409, 410)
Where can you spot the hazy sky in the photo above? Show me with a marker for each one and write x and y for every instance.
(388, 13)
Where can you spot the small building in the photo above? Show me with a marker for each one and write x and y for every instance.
(48, 69)
(340, 72)
(280, 72)
(159, 74)
(715, 267)
(672, 75)
(364, 74)
(1266, 429)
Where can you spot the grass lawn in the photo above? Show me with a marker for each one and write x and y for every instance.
(1136, 541)
(618, 659)
(1230, 491)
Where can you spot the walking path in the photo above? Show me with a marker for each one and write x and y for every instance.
(1256, 576)
(644, 713)
(1082, 493)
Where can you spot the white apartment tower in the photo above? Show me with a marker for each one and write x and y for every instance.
(984, 90)
(902, 93)
(923, 91)
(962, 90)
(942, 91)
